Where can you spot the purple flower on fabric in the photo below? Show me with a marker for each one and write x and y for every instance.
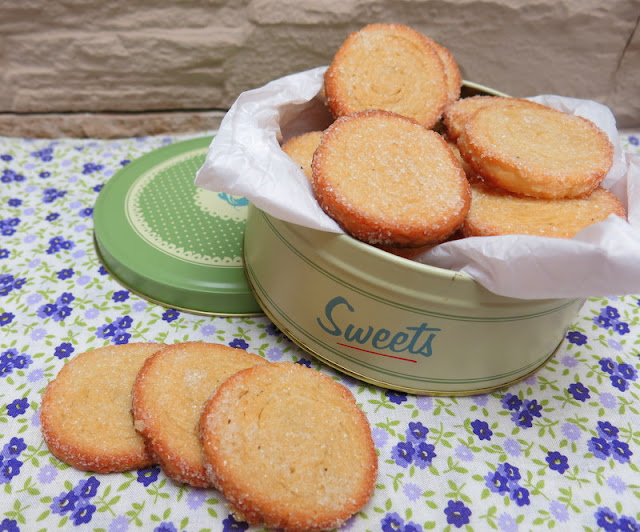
(87, 488)
(47, 474)
(380, 437)
(391, 522)
(507, 523)
(62, 313)
(396, 397)
(148, 475)
(410, 526)
(620, 451)
(619, 382)
(520, 495)
(464, 453)
(627, 371)
(9, 468)
(121, 337)
(511, 401)
(83, 513)
(18, 407)
(89, 168)
(119, 524)
(6, 318)
(239, 343)
(576, 338)
(571, 431)
(511, 446)
(569, 361)
(303, 361)
(64, 503)
(47, 310)
(66, 273)
(169, 527)
(606, 430)
(599, 447)
(170, 315)
(607, 365)
(124, 322)
(424, 455)
(557, 462)
(616, 484)
(457, 513)
(497, 482)
(64, 350)
(230, 524)
(579, 391)
(9, 525)
(621, 328)
(522, 418)
(532, 407)
(402, 453)
(14, 447)
(412, 491)
(628, 524)
(481, 429)
(86, 212)
(510, 472)
(195, 498)
(416, 432)
(606, 519)
(602, 321)
(559, 511)
(122, 295)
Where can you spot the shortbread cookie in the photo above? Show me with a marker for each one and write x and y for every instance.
(536, 151)
(497, 212)
(301, 147)
(387, 180)
(288, 447)
(390, 67)
(86, 410)
(168, 395)
(456, 114)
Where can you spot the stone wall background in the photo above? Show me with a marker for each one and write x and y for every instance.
(117, 67)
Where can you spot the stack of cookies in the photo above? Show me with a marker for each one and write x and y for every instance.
(408, 164)
(287, 445)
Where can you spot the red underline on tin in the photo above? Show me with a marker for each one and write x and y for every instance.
(376, 353)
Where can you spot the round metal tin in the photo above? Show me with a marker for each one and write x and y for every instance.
(171, 242)
(392, 321)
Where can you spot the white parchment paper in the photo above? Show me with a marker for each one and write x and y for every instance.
(245, 159)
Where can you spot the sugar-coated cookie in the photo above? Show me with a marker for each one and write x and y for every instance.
(168, 396)
(388, 181)
(390, 67)
(301, 147)
(497, 212)
(288, 447)
(457, 113)
(452, 72)
(536, 151)
(86, 410)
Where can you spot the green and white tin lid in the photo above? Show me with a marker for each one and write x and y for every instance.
(170, 241)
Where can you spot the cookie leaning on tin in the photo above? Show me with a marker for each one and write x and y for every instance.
(168, 395)
(390, 67)
(288, 447)
(387, 180)
(86, 410)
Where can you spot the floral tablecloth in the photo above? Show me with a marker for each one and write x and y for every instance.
(559, 450)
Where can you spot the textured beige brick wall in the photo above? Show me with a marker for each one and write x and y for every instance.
(123, 56)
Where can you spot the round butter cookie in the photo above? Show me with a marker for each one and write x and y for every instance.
(301, 147)
(168, 396)
(387, 180)
(456, 114)
(452, 72)
(86, 410)
(497, 212)
(289, 448)
(536, 151)
(390, 67)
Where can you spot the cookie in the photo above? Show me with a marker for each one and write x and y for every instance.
(86, 410)
(536, 151)
(301, 147)
(168, 395)
(388, 181)
(456, 114)
(288, 447)
(453, 76)
(389, 67)
(497, 212)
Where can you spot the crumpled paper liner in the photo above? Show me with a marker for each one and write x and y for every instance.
(245, 159)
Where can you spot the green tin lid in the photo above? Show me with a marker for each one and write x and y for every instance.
(170, 241)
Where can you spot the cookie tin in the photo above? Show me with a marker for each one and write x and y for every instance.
(395, 322)
(171, 242)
